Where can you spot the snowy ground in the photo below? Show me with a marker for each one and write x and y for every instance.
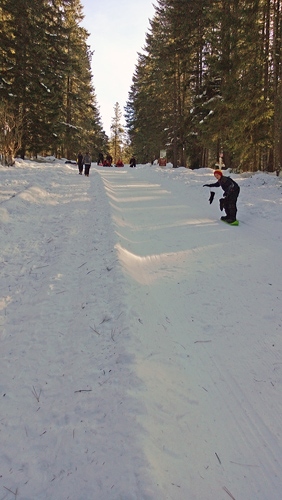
(141, 347)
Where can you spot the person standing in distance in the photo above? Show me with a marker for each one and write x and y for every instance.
(132, 162)
(79, 162)
(87, 163)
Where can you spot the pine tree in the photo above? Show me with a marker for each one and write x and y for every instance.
(46, 78)
(210, 83)
(117, 131)
(22, 29)
(148, 110)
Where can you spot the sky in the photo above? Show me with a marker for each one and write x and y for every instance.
(117, 33)
(141, 346)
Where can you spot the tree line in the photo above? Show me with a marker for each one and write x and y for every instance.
(47, 100)
(207, 85)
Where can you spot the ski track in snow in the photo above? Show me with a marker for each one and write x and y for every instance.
(140, 337)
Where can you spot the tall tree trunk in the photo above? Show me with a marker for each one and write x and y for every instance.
(277, 90)
(174, 120)
(266, 48)
(278, 129)
(68, 116)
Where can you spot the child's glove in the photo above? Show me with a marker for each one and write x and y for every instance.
(221, 203)
(211, 197)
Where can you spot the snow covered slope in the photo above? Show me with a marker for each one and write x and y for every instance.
(140, 337)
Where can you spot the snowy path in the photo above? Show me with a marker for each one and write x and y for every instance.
(140, 338)
(64, 411)
(202, 297)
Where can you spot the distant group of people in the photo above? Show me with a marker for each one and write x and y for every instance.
(108, 160)
(85, 160)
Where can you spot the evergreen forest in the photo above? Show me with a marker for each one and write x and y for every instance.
(47, 99)
(207, 86)
(206, 89)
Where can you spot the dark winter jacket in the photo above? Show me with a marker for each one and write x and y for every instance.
(79, 159)
(227, 184)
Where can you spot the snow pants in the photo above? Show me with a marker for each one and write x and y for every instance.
(230, 203)
(86, 169)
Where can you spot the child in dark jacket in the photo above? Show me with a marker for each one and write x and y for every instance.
(231, 193)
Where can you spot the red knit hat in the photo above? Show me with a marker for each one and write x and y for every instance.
(218, 172)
